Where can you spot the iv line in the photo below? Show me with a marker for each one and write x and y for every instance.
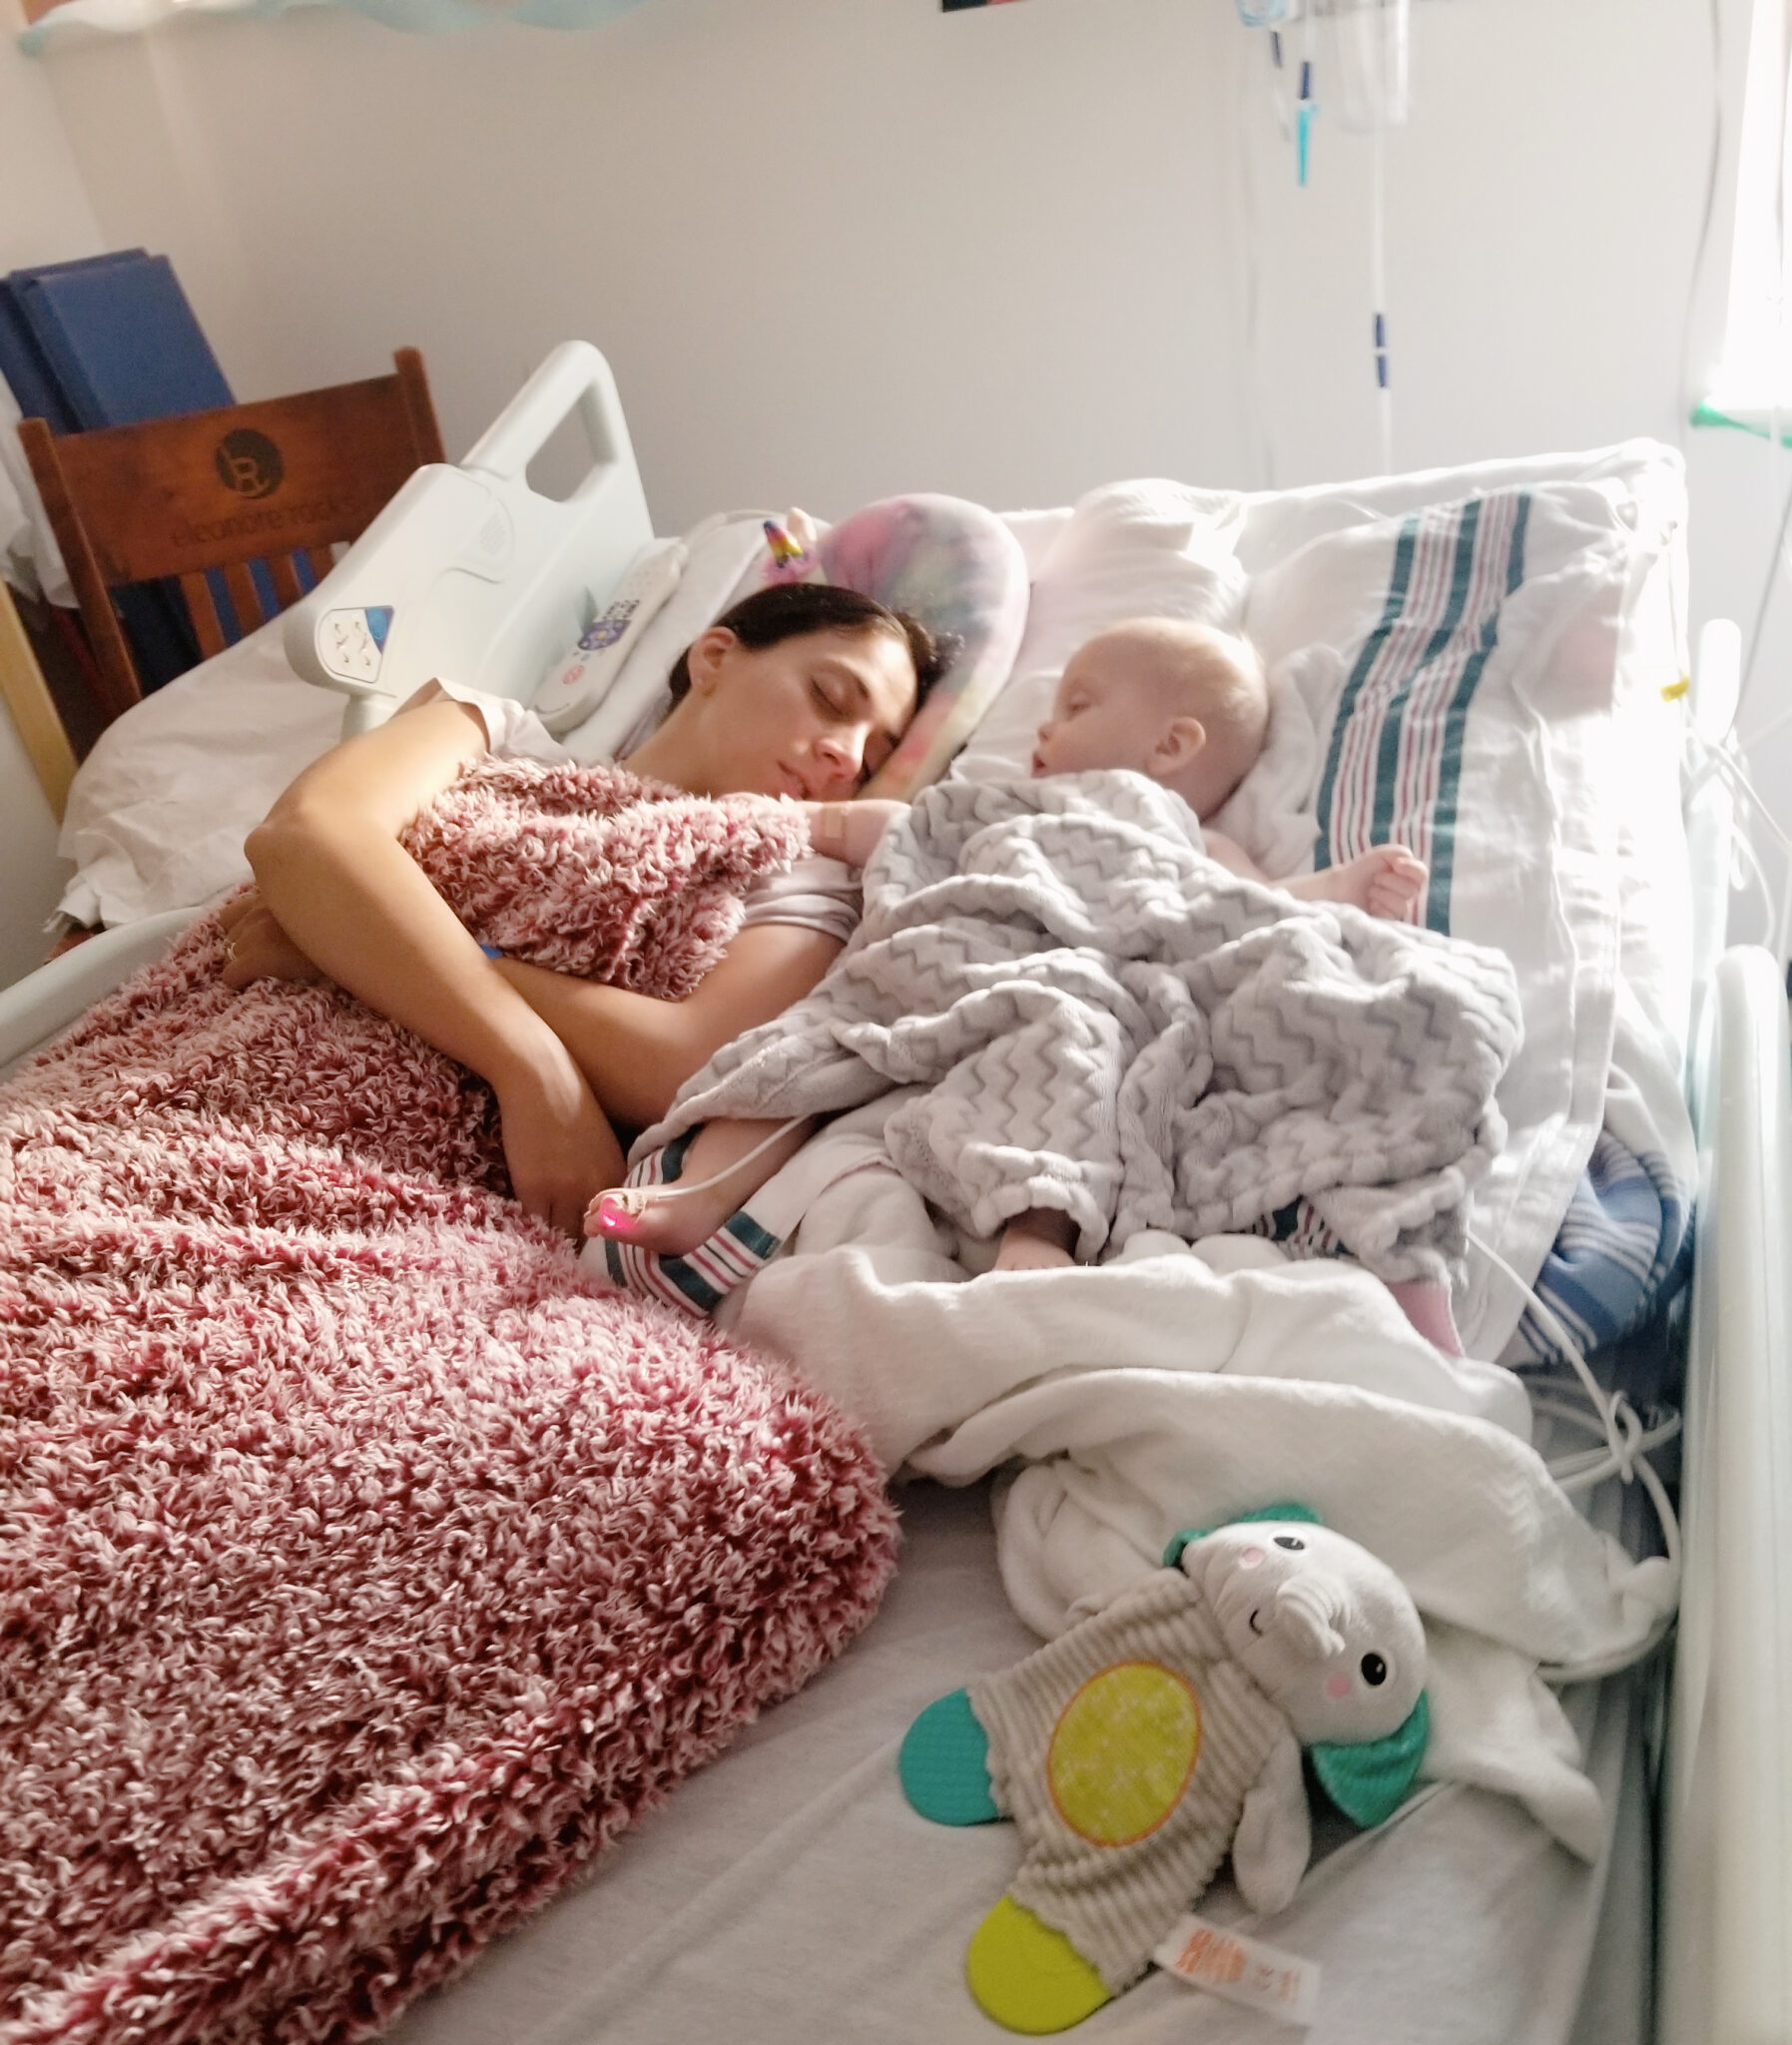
(1625, 1442)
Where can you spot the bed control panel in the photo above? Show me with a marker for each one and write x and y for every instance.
(351, 643)
(469, 571)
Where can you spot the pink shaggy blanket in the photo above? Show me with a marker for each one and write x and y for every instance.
(593, 871)
(362, 1570)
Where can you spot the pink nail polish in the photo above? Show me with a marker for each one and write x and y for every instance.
(614, 1219)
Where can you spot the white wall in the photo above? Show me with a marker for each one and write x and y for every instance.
(836, 248)
(44, 216)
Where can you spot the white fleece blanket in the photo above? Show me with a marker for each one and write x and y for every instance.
(1176, 1388)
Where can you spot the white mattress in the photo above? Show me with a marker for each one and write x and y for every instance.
(789, 1893)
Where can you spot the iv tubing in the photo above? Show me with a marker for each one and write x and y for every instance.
(1625, 1437)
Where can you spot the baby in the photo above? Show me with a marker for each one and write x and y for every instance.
(1183, 704)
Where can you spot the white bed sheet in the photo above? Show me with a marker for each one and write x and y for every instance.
(787, 1893)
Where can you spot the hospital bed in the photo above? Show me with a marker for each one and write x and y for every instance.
(786, 1892)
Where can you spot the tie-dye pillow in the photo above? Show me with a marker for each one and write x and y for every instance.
(959, 571)
(951, 563)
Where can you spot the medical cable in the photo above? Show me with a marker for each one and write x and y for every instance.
(1586, 1469)
(1279, 85)
(1304, 109)
(1767, 589)
(1720, 763)
(1750, 859)
(1378, 286)
(1624, 1457)
(632, 1202)
(1266, 453)
(1776, 439)
(1708, 214)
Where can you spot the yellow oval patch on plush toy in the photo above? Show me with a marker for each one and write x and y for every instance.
(1140, 1747)
(1146, 1717)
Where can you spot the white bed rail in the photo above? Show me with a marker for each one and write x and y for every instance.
(39, 1007)
(1726, 1888)
(471, 573)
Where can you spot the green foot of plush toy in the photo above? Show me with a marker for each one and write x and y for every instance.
(1140, 1747)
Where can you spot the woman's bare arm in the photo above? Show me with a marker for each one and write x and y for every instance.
(331, 870)
(637, 1052)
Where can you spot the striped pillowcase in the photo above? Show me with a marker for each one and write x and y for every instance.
(1393, 766)
(1393, 771)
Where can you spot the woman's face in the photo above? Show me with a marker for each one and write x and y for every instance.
(811, 717)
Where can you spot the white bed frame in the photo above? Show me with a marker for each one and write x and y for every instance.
(481, 574)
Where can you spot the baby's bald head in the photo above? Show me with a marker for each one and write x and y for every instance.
(1184, 703)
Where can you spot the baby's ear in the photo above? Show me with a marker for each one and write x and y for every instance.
(1177, 745)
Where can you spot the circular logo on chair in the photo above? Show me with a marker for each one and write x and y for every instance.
(250, 463)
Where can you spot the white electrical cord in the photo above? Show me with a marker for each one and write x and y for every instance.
(1722, 764)
(1624, 1455)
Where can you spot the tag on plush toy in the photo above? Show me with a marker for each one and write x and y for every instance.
(1242, 1970)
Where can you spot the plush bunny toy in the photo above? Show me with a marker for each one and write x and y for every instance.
(1137, 1749)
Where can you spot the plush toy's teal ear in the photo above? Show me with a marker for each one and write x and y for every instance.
(1173, 1553)
(1370, 1780)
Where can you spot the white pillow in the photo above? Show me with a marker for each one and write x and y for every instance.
(157, 814)
(1127, 550)
(722, 555)
(1461, 669)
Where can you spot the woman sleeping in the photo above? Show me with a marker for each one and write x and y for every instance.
(800, 691)
(364, 1568)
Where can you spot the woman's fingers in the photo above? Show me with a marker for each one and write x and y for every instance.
(257, 948)
(561, 1150)
(233, 911)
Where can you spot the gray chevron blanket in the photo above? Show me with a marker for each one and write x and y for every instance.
(1100, 1019)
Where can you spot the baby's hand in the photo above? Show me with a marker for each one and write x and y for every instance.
(1386, 880)
(849, 831)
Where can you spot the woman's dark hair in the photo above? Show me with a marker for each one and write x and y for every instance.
(786, 610)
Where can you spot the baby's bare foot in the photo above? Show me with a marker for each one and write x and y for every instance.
(659, 1218)
(1386, 880)
(1040, 1240)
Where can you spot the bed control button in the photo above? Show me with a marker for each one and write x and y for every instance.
(351, 643)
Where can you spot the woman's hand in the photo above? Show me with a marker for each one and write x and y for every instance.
(258, 947)
(561, 1150)
(850, 832)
